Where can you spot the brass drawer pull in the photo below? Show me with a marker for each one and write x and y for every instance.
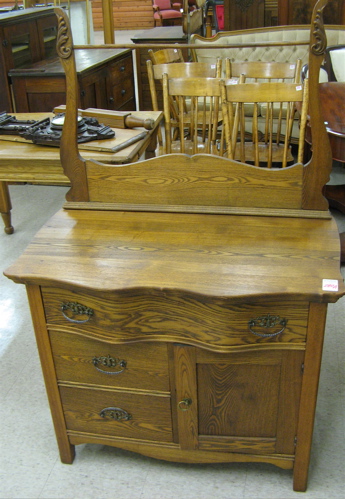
(109, 362)
(76, 309)
(267, 321)
(115, 413)
(184, 404)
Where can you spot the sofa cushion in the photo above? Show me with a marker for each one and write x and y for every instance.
(338, 63)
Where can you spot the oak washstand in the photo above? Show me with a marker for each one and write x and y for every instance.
(179, 303)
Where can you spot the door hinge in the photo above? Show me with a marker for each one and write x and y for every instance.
(295, 441)
(302, 368)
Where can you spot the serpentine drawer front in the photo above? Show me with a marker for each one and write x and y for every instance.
(83, 360)
(133, 316)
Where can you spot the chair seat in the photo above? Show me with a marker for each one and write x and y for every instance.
(277, 153)
(200, 147)
(168, 14)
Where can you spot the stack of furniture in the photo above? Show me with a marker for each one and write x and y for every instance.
(179, 303)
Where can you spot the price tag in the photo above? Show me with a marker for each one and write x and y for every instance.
(329, 285)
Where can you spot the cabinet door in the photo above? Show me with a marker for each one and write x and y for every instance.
(47, 32)
(93, 89)
(243, 402)
(20, 45)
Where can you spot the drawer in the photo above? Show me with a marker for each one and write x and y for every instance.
(121, 69)
(136, 316)
(84, 360)
(127, 415)
(122, 93)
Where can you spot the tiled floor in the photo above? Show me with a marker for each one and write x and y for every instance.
(30, 467)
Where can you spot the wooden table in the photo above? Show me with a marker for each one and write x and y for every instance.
(332, 98)
(27, 162)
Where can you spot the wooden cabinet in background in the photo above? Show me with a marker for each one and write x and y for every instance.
(241, 14)
(26, 37)
(300, 12)
(105, 80)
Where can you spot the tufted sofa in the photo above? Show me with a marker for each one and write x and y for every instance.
(279, 44)
(249, 40)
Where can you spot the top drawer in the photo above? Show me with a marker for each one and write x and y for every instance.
(121, 69)
(136, 316)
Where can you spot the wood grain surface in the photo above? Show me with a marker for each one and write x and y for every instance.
(233, 257)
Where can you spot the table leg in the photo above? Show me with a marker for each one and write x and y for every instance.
(150, 151)
(5, 207)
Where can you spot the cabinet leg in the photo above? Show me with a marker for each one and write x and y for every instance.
(310, 383)
(67, 452)
(66, 449)
(5, 207)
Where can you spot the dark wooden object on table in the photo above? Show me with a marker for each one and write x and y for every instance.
(172, 34)
(179, 273)
(26, 37)
(105, 79)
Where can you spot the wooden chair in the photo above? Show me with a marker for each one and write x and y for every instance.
(272, 145)
(264, 71)
(166, 56)
(197, 125)
(178, 70)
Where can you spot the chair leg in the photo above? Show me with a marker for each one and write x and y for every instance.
(5, 207)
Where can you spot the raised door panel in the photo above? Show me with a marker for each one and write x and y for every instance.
(230, 399)
(249, 401)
